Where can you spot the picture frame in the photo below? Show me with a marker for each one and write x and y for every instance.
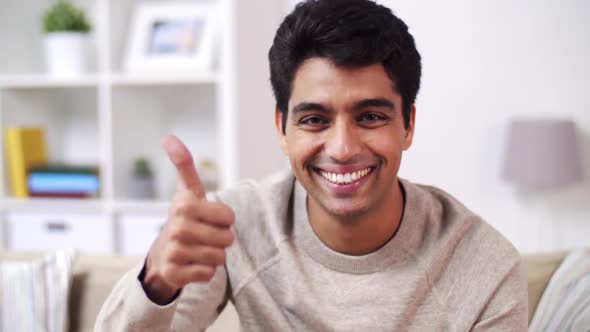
(165, 37)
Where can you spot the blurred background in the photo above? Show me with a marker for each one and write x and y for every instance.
(83, 108)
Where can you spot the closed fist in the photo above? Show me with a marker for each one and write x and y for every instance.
(192, 243)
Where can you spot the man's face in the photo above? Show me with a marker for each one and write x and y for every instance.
(345, 136)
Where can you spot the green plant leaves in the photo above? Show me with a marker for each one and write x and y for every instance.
(64, 16)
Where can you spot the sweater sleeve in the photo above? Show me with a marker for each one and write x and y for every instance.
(507, 309)
(128, 308)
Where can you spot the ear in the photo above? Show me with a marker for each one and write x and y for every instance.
(410, 131)
(279, 127)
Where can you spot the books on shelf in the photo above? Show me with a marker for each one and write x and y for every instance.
(24, 147)
(32, 176)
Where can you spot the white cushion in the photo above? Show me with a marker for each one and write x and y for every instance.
(35, 293)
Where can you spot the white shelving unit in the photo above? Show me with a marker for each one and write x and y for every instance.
(108, 117)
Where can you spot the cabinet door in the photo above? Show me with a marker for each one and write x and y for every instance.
(138, 231)
(90, 233)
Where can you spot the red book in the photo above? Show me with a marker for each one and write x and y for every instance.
(60, 194)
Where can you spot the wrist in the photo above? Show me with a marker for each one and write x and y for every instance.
(155, 287)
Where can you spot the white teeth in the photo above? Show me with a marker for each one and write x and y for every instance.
(340, 178)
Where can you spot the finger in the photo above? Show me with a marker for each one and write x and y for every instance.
(196, 254)
(198, 233)
(214, 213)
(183, 161)
(181, 275)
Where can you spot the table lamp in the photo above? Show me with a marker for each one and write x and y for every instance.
(542, 154)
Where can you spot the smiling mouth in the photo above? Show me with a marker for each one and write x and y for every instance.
(345, 178)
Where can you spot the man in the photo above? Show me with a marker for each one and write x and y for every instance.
(338, 242)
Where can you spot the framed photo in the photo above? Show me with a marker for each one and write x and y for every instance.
(172, 37)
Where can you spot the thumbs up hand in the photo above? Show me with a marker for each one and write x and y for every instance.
(192, 243)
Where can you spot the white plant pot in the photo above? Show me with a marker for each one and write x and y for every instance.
(141, 188)
(66, 53)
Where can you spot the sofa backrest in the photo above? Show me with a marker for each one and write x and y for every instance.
(95, 276)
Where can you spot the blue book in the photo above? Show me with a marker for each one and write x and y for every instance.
(63, 183)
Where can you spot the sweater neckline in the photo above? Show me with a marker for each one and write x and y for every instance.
(402, 245)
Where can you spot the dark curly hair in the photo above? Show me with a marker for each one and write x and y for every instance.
(349, 33)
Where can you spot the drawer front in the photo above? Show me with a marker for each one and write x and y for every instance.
(90, 233)
(138, 231)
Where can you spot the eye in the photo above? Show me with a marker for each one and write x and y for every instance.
(372, 119)
(313, 121)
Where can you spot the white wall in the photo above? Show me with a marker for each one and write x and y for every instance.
(484, 62)
(258, 148)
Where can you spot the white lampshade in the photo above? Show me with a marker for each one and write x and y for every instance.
(542, 154)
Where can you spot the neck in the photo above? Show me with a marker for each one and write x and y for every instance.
(362, 234)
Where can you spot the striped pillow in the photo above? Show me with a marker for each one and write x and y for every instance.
(34, 295)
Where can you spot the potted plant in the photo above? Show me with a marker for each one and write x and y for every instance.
(141, 185)
(66, 31)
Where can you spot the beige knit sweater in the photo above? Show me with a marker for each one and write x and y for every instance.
(445, 270)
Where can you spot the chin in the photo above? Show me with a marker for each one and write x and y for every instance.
(347, 211)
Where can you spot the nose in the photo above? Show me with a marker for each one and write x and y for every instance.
(343, 141)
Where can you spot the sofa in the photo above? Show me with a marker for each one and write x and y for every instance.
(94, 277)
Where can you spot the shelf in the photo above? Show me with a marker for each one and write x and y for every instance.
(89, 80)
(69, 205)
(163, 79)
(146, 206)
(109, 117)
(45, 81)
(52, 204)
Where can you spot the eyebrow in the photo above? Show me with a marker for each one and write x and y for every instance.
(374, 102)
(371, 102)
(305, 106)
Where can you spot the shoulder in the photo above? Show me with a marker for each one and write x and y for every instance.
(469, 236)
(249, 196)
(261, 207)
(261, 211)
(474, 269)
